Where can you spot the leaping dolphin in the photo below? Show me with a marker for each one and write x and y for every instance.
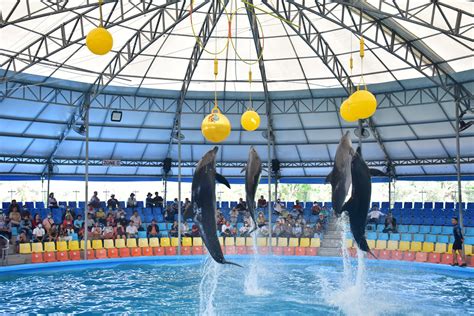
(358, 205)
(340, 176)
(253, 169)
(204, 203)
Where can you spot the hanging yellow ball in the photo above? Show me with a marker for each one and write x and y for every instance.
(363, 104)
(250, 120)
(346, 112)
(99, 41)
(215, 127)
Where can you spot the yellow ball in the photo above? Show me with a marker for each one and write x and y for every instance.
(215, 127)
(99, 41)
(346, 112)
(250, 120)
(363, 104)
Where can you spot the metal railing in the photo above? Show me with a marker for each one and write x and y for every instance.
(4, 254)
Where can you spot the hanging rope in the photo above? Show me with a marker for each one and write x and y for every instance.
(101, 24)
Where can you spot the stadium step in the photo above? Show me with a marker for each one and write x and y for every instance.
(331, 242)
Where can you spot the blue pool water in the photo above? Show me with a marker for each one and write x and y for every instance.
(277, 285)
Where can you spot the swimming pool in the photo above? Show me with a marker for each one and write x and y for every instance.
(277, 285)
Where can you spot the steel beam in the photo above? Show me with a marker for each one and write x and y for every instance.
(210, 21)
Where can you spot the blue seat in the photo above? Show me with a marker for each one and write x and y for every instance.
(233, 204)
(428, 221)
(82, 204)
(469, 240)
(447, 222)
(43, 212)
(439, 221)
(408, 205)
(308, 205)
(418, 205)
(225, 204)
(74, 236)
(380, 228)
(39, 204)
(385, 205)
(372, 235)
(413, 229)
(406, 237)
(62, 203)
(395, 236)
(102, 204)
(148, 218)
(446, 230)
(383, 236)
(425, 229)
(14, 231)
(436, 230)
(403, 228)
(29, 205)
(463, 206)
(469, 222)
(376, 204)
(328, 204)
(443, 238)
(290, 205)
(430, 238)
(57, 215)
(162, 226)
(419, 237)
(416, 221)
(122, 204)
(397, 205)
(72, 204)
(470, 206)
(428, 205)
(449, 205)
(141, 234)
(469, 231)
(439, 205)
(5, 205)
(405, 220)
(140, 204)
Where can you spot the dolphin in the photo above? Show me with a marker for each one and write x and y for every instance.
(204, 203)
(253, 169)
(340, 176)
(358, 204)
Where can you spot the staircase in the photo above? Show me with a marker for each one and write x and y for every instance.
(331, 242)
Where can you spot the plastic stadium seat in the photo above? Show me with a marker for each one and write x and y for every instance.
(154, 242)
(438, 205)
(380, 228)
(142, 234)
(304, 242)
(413, 229)
(49, 246)
(428, 247)
(430, 238)
(406, 237)
(404, 245)
(392, 245)
(229, 241)
(39, 205)
(425, 229)
(165, 242)
(294, 242)
(371, 235)
(407, 205)
(371, 243)
(62, 246)
(289, 251)
(421, 256)
(468, 231)
(73, 245)
(36, 258)
(468, 250)
(261, 242)
(97, 244)
(383, 236)
(112, 253)
(135, 252)
(428, 221)
(25, 248)
(436, 230)
(187, 241)
(315, 242)
(428, 205)
(311, 251)
(440, 248)
(443, 239)
(174, 242)
(108, 244)
(274, 242)
(349, 243)
(416, 246)
(143, 242)
(449, 205)
(469, 240)
(397, 205)
(446, 230)
(170, 251)
(395, 236)
(419, 237)
(418, 205)
(197, 241)
(124, 252)
(402, 228)
(131, 243)
(239, 241)
(381, 244)
(49, 257)
(89, 244)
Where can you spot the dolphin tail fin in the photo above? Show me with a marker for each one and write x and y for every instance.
(362, 243)
(232, 263)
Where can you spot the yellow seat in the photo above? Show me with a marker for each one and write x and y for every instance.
(468, 250)
(404, 245)
(428, 247)
(315, 242)
(25, 248)
(187, 241)
(37, 247)
(371, 243)
(74, 245)
(416, 246)
(49, 246)
(174, 242)
(131, 243)
(261, 241)
(109, 244)
(165, 242)
(62, 246)
(294, 242)
(154, 242)
(89, 244)
(249, 241)
(197, 241)
(97, 244)
(349, 243)
(304, 242)
(381, 244)
(282, 242)
(450, 248)
(240, 241)
(221, 240)
(274, 242)
(120, 243)
(440, 248)
(229, 241)
(392, 245)
(142, 242)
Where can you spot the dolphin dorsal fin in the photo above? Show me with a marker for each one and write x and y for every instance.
(220, 178)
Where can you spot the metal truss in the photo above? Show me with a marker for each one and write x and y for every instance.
(192, 164)
(213, 15)
(383, 32)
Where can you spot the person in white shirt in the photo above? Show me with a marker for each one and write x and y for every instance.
(132, 201)
(374, 215)
(39, 233)
(131, 230)
(225, 226)
(137, 220)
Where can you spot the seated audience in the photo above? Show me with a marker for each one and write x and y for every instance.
(173, 232)
(100, 216)
(110, 220)
(90, 221)
(131, 230)
(261, 221)
(153, 230)
(13, 204)
(26, 226)
(297, 230)
(52, 203)
(137, 220)
(21, 239)
(241, 206)
(195, 230)
(170, 213)
(390, 224)
(36, 221)
(39, 233)
(94, 202)
(234, 214)
(374, 215)
(15, 217)
(297, 207)
(48, 222)
(245, 230)
(120, 232)
(108, 232)
(5, 229)
(67, 221)
(315, 209)
(112, 203)
(78, 223)
(96, 232)
(225, 226)
(132, 201)
(308, 231)
(262, 203)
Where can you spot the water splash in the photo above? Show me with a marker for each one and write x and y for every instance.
(210, 275)
(253, 283)
(343, 226)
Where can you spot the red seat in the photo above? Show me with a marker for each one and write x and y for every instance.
(470, 261)
(186, 251)
(62, 256)
(277, 251)
(124, 252)
(250, 250)
(300, 251)
(421, 256)
(241, 250)
(409, 256)
(376, 253)
(90, 254)
(112, 253)
(159, 251)
(49, 257)
(36, 257)
(447, 258)
(263, 250)
(434, 257)
(385, 254)
(397, 255)
(311, 251)
(196, 250)
(170, 251)
(230, 250)
(353, 252)
(136, 252)
(289, 251)
(75, 255)
(147, 251)
(101, 254)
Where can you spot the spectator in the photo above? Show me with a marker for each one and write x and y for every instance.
(263, 231)
(457, 245)
(52, 203)
(245, 229)
(261, 221)
(308, 232)
(15, 217)
(158, 201)
(280, 209)
(69, 212)
(234, 214)
(112, 203)
(226, 233)
(131, 230)
(5, 229)
(262, 203)
(39, 233)
(108, 232)
(67, 221)
(26, 226)
(315, 209)
(195, 230)
(96, 232)
(149, 200)
(297, 207)
(225, 227)
(80, 232)
(122, 220)
(110, 220)
(13, 204)
(170, 213)
(185, 229)
(297, 230)
(324, 211)
(390, 224)
(374, 215)
(174, 229)
(241, 206)
(36, 221)
(48, 222)
(119, 214)
(78, 223)
(322, 222)
(278, 228)
(25, 212)
(132, 201)
(153, 230)
(287, 229)
(52, 234)
(100, 216)
(22, 239)
(120, 232)
(94, 202)
(137, 220)
(90, 222)
(187, 203)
